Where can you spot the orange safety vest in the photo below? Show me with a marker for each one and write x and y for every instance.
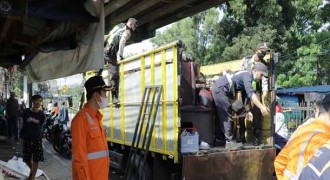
(300, 148)
(90, 159)
(318, 167)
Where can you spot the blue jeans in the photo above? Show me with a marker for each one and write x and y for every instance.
(280, 142)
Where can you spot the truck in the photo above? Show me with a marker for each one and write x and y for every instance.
(181, 107)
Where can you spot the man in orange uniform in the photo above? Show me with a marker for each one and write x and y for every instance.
(303, 143)
(90, 159)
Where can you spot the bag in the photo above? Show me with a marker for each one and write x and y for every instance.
(205, 98)
(238, 107)
(15, 167)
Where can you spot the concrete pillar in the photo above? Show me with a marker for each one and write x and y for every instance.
(29, 90)
(25, 90)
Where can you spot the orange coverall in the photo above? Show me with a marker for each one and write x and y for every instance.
(90, 159)
(300, 148)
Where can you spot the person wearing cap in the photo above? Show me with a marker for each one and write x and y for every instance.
(90, 159)
(31, 134)
(281, 129)
(223, 91)
(115, 43)
(260, 52)
(303, 144)
(246, 64)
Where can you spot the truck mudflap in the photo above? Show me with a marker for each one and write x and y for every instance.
(236, 165)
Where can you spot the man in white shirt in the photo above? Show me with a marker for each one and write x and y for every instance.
(50, 106)
(281, 129)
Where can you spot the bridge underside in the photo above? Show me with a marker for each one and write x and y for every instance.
(153, 14)
(31, 27)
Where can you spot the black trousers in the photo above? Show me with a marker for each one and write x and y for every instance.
(13, 127)
(256, 124)
(111, 60)
(224, 122)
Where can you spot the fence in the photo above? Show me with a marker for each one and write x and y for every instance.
(297, 113)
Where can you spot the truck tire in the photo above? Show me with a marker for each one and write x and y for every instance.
(146, 171)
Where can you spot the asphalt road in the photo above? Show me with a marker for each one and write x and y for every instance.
(59, 167)
(55, 166)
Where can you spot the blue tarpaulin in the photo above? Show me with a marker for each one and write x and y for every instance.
(305, 89)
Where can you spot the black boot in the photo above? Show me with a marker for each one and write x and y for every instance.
(256, 141)
(219, 142)
(241, 136)
(241, 140)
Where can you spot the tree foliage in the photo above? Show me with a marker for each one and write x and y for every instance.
(198, 33)
(297, 29)
(18, 83)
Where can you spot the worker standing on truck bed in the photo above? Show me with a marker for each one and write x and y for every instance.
(114, 49)
(260, 88)
(223, 91)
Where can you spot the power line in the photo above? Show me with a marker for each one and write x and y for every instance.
(325, 40)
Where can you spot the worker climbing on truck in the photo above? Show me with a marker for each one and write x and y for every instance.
(115, 43)
(260, 88)
(223, 90)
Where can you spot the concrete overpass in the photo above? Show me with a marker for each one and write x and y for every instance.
(153, 14)
(25, 26)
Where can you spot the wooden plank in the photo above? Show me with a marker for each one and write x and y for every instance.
(113, 6)
(5, 28)
(133, 11)
(156, 13)
(244, 164)
(204, 5)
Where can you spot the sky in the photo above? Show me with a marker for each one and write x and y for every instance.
(70, 80)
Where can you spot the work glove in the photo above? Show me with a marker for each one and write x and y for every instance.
(120, 58)
(249, 116)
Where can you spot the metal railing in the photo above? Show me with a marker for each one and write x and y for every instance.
(297, 113)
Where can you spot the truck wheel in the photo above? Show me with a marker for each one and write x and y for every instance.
(146, 171)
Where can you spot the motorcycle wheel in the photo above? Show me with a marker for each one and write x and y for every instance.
(146, 170)
(48, 136)
(57, 149)
(68, 154)
(67, 149)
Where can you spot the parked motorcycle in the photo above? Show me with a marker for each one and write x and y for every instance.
(62, 140)
(48, 127)
(3, 126)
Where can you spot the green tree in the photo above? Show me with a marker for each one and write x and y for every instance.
(298, 29)
(306, 61)
(197, 32)
(75, 91)
(18, 83)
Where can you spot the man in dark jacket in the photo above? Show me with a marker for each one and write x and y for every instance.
(12, 113)
(31, 134)
(223, 92)
(64, 114)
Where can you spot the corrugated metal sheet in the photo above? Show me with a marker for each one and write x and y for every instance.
(216, 69)
(305, 89)
(244, 164)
